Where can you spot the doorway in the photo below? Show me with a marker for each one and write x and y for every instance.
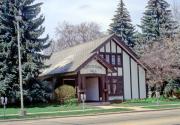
(92, 89)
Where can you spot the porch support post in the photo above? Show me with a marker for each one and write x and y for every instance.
(83, 84)
(106, 89)
(103, 88)
(76, 86)
(79, 86)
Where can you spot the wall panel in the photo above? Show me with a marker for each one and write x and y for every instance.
(127, 84)
(142, 82)
(134, 71)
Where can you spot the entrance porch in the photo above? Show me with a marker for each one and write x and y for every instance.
(94, 87)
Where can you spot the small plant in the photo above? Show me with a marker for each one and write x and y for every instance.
(65, 94)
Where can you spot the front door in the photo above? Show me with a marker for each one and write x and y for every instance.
(92, 89)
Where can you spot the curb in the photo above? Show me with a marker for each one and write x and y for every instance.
(85, 115)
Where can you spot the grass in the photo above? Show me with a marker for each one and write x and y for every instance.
(148, 102)
(70, 113)
(162, 107)
(45, 108)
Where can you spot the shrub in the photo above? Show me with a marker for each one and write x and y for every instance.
(37, 91)
(65, 93)
(71, 102)
(171, 87)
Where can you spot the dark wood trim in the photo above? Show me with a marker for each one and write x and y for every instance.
(103, 44)
(116, 47)
(106, 64)
(105, 47)
(76, 87)
(106, 86)
(146, 84)
(123, 74)
(86, 62)
(129, 51)
(101, 85)
(111, 46)
(79, 86)
(110, 53)
(99, 59)
(93, 75)
(100, 49)
(110, 56)
(124, 46)
(83, 83)
(116, 58)
(57, 75)
(138, 82)
(131, 77)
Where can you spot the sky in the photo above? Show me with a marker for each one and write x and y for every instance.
(98, 11)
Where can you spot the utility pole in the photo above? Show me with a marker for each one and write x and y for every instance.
(18, 19)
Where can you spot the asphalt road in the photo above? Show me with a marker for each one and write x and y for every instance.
(168, 117)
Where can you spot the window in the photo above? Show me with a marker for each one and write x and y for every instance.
(115, 86)
(109, 89)
(119, 62)
(114, 80)
(108, 58)
(113, 60)
(115, 89)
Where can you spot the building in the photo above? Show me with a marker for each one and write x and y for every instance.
(105, 70)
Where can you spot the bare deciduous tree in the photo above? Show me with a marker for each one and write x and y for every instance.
(163, 57)
(69, 35)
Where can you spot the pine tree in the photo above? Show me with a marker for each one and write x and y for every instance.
(7, 72)
(32, 45)
(157, 21)
(122, 25)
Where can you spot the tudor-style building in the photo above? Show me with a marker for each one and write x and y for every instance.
(105, 70)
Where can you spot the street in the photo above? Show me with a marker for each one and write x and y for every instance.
(168, 117)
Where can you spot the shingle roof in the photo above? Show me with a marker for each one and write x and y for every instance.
(68, 60)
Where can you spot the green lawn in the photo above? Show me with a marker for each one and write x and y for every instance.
(45, 108)
(70, 113)
(162, 107)
(148, 102)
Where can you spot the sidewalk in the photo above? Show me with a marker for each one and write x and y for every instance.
(135, 108)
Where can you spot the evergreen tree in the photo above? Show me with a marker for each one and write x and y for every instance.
(122, 25)
(7, 72)
(32, 45)
(157, 21)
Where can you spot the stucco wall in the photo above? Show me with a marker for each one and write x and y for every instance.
(93, 68)
(113, 47)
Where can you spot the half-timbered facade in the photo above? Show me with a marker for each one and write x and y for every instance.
(105, 70)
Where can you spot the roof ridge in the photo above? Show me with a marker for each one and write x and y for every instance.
(81, 44)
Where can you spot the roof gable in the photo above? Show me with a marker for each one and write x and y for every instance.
(69, 60)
